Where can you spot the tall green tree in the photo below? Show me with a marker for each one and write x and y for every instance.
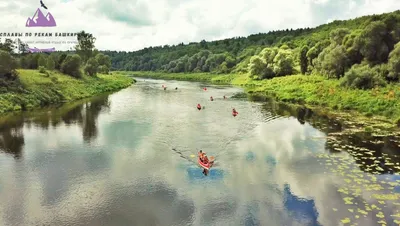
(85, 45)
(303, 59)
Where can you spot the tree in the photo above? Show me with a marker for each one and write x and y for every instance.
(91, 67)
(71, 66)
(50, 63)
(333, 61)
(60, 60)
(337, 35)
(283, 63)
(372, 43)
(394, 63)
(104, 63)
(303, 59)
(8, 45)
(316, 50)
(85, 45)
(8, 64)
(363, 77)
(257, 66)
(42, 61)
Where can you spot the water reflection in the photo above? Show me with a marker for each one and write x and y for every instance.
(371, 153)
(82, 114)
(12, 137)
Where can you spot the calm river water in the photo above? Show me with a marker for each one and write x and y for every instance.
(110, 161)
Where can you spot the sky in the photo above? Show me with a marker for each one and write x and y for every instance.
(128, 25)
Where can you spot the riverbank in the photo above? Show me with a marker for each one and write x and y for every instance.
(36, 89)
(311, 90)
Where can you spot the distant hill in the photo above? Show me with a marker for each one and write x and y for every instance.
(230, 54)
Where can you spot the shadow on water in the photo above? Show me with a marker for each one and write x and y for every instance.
(83, 114)
(372, 153)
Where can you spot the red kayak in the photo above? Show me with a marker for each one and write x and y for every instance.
(234, 114)
(206, 166)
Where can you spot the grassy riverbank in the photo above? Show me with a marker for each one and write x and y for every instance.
(36, 89)
(311, 90)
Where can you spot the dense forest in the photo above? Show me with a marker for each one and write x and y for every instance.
(363, 50)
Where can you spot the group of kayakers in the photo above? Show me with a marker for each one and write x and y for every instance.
(234, 112)
(165, 87)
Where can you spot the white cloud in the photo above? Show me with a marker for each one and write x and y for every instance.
(132, 25)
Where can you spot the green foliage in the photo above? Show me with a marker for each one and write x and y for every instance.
(284, 62)
(8, 46)
(50, 64)
(85, 45)
(8, 64)
(332, 61)
(373, 46)
(303, 59)
(39, 90)
(272, 62)
(104, 63)
(91, 67)
(60, 60)
(71, 66)
(42, 69)
(318, 91)
(394, 64)
(363, 77)
(42, 61)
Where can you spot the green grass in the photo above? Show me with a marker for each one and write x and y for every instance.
(40, 90)
(311, 90)
(316, 90)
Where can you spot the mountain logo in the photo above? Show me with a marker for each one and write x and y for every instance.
(40, 20)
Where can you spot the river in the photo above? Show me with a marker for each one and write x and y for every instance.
(128, 159)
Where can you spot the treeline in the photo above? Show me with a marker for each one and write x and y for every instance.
(364, 50)
(84, 60)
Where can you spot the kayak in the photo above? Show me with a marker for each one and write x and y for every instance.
(206, 166)
(234, 114)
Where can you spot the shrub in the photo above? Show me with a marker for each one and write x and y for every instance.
(71, 65)
(42, 69)
(363, 77)
(91, 67)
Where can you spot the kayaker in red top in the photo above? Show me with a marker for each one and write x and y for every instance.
(199, 107)
(205, 88)
(234, 112)
(201, 154)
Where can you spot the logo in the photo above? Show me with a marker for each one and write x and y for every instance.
(40, 20)
(36, 50)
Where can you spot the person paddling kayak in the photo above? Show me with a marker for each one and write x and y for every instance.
(234, 112)
(211, 98)
(205, 88)
(224, 97)
(199, 107)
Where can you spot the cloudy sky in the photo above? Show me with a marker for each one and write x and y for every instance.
(135, 24)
